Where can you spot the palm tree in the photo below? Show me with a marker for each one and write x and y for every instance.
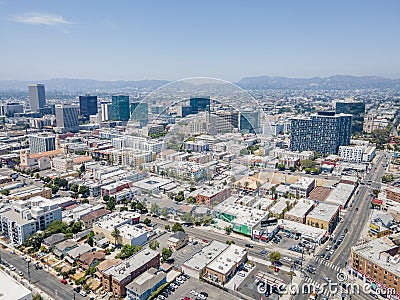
(115, 234)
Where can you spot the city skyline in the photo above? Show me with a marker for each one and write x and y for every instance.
(156, 40)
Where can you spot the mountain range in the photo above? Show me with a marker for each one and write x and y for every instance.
(249, 83)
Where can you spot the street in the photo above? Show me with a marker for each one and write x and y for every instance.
(41, 278)
(354, 220)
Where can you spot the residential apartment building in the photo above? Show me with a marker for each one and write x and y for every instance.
(323, 132)
(41, 143)
(24, 218)
(302, 187)
(300, 211)
(212, 196)
(378, 261)
(116, 278)
(145, 284)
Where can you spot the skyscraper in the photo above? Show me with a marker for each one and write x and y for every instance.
(37, 96)
(323, 132)
(355, 108)
(67, 118)
(87, 105)
(249, 121)
(41, 143)
(140, 112)
(226, 120)
(120, 108)
(199, 104)
(106, 111)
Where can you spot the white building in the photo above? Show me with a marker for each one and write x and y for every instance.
(302, 187)
(24, 218)
(10, 289)
(351, 153)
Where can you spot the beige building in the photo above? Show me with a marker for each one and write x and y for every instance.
(178, 240)
(324, 216)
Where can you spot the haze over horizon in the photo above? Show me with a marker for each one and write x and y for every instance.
(175, 39)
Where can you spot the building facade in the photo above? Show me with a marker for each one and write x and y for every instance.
(323, 133)
(120, 108)
(41, 143)
(37, 96)
(355, 108)
(87, 105)
(67, 118)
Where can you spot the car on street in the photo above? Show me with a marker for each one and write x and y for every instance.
(328, 257)
(264, 252)
(322, 255)
(205, 240)
(194, 293)
(373, 295)
(249, 245)
(331, 252)
(328, 248)
(241, 274)
(63, 281)
(20, 273)
(285, 258)
(83, 293)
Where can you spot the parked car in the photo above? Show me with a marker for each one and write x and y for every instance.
(63, 281)
(241, 274)
(249, 245)
(83, 293)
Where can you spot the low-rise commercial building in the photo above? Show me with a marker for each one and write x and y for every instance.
(196, 265)
(324, 216)
(300, 211)
(11, 289)
(225, 265)
(178, 240)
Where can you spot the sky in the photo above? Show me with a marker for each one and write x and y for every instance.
(172, 39)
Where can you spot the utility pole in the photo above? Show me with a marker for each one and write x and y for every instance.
(29, 273)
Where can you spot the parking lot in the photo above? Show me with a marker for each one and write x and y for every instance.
(249, 287)
(213, 292)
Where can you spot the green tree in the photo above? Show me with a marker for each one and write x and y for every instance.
(274, 256)
(141, 206)
(82, 168)
(154, 245)
(128, 250)
(307, 163)
(375, 192)
(187, 218)
(5, 192)
(167, 227)
(280, 167)
(179, 197)
(147, 221)
(74, 188)
(115, 234)
(164, 211)
(90, 238)
(37, 297)
(57, 226)
(155, 209)
(166, 253)
(177, 227)
(110, 204)
(191, 200)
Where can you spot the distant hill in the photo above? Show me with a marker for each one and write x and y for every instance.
(249, 83)
(66, 84)
(332, 82)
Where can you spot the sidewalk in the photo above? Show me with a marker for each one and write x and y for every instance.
(23, 281)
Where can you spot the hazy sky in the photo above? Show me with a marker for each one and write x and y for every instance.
(168, 39)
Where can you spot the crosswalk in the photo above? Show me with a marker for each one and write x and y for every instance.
(321, 261)
(321, 289)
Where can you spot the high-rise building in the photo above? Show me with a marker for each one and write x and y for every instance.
(199, 104)
(105, 111)
(226, 120)
(323, 132)
(355, 108)
(120, 108)
(37, 96)
(11, 108)
(67, 118)
(42, 143)
(87, 105)
(183, 111)
(249, 121)
(140, 112)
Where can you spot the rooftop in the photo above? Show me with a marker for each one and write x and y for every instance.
(301, 208)
(11, 289)
(227, 259)
(200, 260)
(324, 211)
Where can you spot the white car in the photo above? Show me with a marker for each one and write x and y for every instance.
(83, 293)
(241, 274)
(287, 259)
(202, 297)
(328, 248)
(20, 273)
(194, 293)
(248, 266)
(332, 251)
